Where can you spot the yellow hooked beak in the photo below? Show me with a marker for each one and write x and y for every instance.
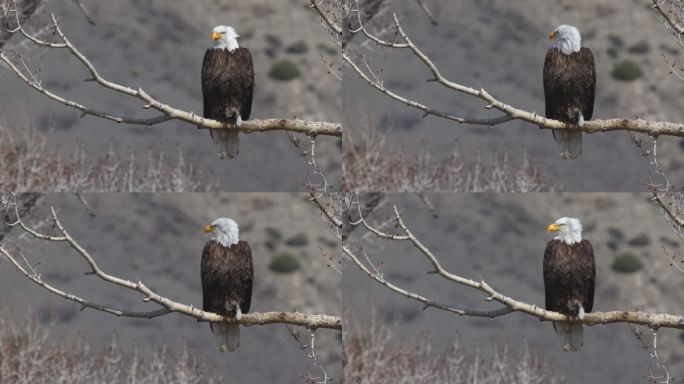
(208, 228)
(215, 35)
(553, 228)
(552, 35)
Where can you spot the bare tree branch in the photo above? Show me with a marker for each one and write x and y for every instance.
(9, 8)
(427, 11)
(669, 16)
(27, 204)
(85, 204)
(669, 209)
(652, 350)
(326, 17)
(309, 350)
(84, 11)
(167, 305)
(326, 209)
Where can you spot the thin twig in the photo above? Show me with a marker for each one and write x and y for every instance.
(427, 11)
(85, 12)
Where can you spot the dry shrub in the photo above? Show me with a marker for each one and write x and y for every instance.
(372, 356)
(370, 166)
(26, 356)
(28, 166)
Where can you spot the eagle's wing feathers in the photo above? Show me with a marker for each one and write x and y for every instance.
(588, 82)
(589, 270)
(247, 279)
(247, 84)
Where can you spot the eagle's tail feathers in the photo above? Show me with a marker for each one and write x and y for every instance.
(227, 336)
(227, 143)
(571, 335)
(569, 143)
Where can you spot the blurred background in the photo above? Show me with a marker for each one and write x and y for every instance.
(501, 239)
(501, 45)
(159, 240)
(159, 45)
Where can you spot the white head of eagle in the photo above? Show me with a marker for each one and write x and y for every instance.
(224, 231)
(225, 38)
(567, 39)
(567, 229)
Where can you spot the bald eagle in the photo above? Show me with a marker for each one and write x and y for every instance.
(569, 277)
(227, 87)
(227, 275)
(569, 85)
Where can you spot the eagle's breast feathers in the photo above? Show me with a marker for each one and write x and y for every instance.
(569, 277)
(227, 275)
(227, 84)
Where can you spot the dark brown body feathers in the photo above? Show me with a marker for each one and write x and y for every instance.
(227, 84)
(569, 277)
(569, 85)
(227, 275)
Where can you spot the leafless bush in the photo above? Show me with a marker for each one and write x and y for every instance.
(28, 165)
(26, 356)
(369, 166)
(374, 356)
